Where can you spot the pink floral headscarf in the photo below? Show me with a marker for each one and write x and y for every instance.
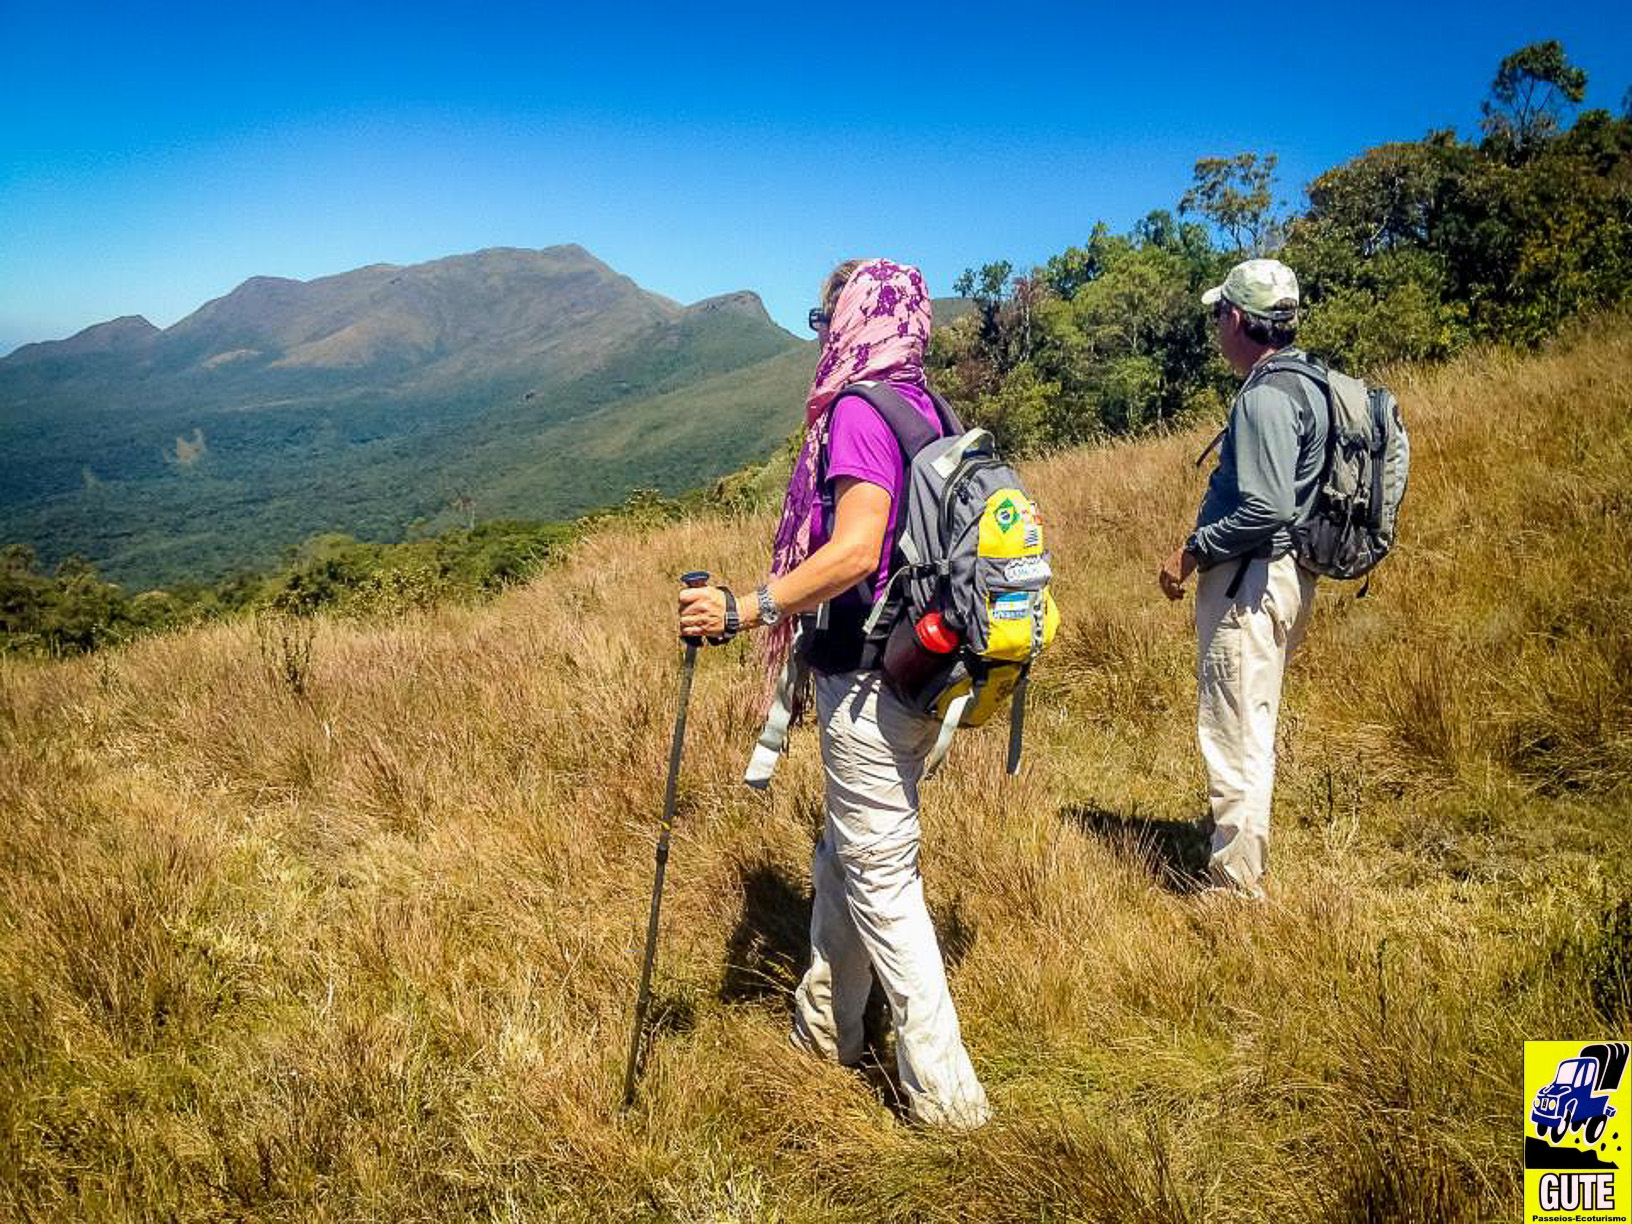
(879, 331)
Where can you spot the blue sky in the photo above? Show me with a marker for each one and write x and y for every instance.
(154, 156)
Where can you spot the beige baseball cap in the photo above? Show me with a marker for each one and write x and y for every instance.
(1259, 287)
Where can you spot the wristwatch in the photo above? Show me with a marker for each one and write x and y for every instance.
(769, 613)
(733, 622)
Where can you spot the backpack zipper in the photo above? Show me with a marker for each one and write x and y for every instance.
(954, 486)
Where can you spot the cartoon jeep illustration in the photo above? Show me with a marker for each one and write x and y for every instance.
(1572, 1100)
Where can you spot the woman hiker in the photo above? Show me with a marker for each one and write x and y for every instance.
(833, 543)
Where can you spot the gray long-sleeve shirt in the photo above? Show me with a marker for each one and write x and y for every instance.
(1269, 469)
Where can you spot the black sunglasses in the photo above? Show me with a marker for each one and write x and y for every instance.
(818, 318)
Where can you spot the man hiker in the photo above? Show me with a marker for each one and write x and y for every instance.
(1252, 598)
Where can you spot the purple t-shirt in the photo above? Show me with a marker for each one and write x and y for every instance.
(860, 445)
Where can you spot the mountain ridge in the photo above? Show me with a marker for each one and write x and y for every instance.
(253, 299)
(356, 402)
(121, 332)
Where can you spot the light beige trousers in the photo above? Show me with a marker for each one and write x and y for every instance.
(1243, 645)
(869, 913)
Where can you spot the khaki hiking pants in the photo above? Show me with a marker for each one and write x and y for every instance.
(1243, 645)
(869, 914)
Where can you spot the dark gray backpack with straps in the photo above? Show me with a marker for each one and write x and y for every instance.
(968, 549)
(1352, 524)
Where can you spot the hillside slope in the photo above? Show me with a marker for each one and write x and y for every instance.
(368, 949)
(358, 402)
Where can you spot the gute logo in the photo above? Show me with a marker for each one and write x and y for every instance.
(1576, 1109)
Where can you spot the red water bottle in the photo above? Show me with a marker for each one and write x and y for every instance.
(935, 635)
(916, 652)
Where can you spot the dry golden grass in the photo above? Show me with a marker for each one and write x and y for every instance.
(368, 951)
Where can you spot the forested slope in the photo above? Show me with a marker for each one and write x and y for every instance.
(370, 403)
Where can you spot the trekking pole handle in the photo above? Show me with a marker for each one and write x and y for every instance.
(694, 579)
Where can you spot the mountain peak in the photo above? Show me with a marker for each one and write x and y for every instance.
(119, 335)
(742, 302)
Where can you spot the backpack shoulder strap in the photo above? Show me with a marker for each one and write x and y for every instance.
(911, 431)
(1278, 364)
(1286, 363)
(1315, 372)
(950, 424)
(906, 424)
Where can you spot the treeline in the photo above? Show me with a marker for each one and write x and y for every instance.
(1411, 251)
(70, 609)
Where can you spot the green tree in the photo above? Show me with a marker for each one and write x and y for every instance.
(23, 596)
(1066, 273)
(1139, 345)
(1378, 250)
(986, 286)
(1236, 196)
(84, 612)
(989, 342)
(322, 572)
(1017, 411)
(1534, 90)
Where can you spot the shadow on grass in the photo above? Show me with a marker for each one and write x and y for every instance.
(1174, 852)
(769, 949)
(672, 1011)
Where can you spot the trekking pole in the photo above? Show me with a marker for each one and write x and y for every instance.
(643, 1000)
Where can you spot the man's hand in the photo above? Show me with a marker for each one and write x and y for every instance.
(702, 611)
(1174, 573)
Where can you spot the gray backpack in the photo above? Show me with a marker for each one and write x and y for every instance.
(1351, 526)
(972, 554)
